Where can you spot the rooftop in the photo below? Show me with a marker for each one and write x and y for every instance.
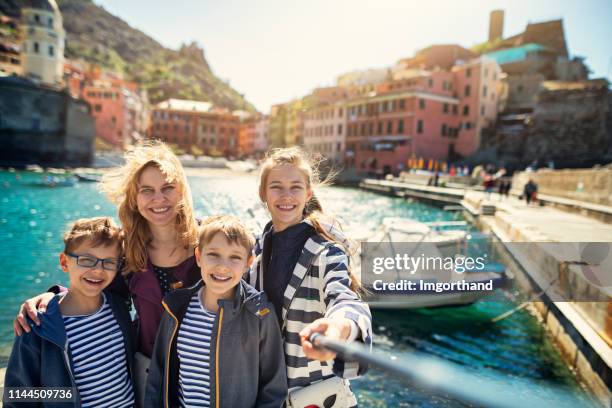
(185, 105)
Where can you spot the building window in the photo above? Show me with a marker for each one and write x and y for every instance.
(389, 127)
(363, 128)
(114, 119)
(339, 129)
(371, 128)
(467, 91)
(36, 47)
(402, 103)
(482, 110)
(484, 91)
(422, 103)
(400, 126)
(50, 22)
(486, 72)
(455, 109)
(466, 110)
(380, 128)
(37, 18)
(519, 88)
(468, 73)
(340, 112)
(468, 125)
(445, 108)
(51, 51)
(419, 126)
(430, 83)
(444, 130)
(98, 108)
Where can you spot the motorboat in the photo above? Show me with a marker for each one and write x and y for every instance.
(439, 247)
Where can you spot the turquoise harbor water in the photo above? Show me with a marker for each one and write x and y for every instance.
(32, 219)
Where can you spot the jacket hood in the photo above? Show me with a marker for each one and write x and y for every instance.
(51, 323)
(332, 227)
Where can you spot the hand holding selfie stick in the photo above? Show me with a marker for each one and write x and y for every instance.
(449, 379)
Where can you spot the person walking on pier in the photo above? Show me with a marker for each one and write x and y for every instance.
(530, 191)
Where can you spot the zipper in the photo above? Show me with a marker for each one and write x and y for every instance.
(217, 357)
(67, 363)
(169, 350)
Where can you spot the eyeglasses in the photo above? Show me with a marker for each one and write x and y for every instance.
(88, 261)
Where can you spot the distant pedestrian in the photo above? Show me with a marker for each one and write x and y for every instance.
(530, 191)
(488, 184)
(507, 187)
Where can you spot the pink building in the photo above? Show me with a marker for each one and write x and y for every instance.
(431, 115)
(324, 131)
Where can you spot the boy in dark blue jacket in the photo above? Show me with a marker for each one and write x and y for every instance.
(84, 338)
(218, 343)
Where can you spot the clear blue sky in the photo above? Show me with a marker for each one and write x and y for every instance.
(276, 50)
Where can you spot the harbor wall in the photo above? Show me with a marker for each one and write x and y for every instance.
(43, 126)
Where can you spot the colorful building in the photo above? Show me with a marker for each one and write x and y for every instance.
(435, 115)
(324, 130)
(246, 133)
(188, 124)
(261, 136)
(118, 106)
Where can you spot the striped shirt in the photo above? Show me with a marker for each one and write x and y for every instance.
(99, 363)
(194, 346)
(319, 287)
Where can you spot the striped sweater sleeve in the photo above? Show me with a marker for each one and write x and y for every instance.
(341, 301)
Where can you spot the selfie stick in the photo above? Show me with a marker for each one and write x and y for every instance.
(452, 380)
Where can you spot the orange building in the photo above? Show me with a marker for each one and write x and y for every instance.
(118, 106)
(188, 124)
(247, 133)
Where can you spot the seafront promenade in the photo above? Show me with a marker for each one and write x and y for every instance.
(582, 330)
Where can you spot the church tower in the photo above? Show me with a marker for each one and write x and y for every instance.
(42, 55)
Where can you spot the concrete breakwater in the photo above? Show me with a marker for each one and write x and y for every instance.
(582, 331)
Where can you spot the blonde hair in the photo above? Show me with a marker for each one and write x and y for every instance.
(309, 166)
(231, 227)
(121, 187)
(99, 231)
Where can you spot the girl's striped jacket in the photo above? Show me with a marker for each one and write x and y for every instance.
(319, 287)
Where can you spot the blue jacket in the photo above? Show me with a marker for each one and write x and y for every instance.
(42, 357)
(247, 364)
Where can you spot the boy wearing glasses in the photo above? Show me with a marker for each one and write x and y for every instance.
(84, 339)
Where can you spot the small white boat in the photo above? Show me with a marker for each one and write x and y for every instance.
(434, 286)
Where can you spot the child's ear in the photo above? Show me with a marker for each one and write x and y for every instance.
(197, 256)
(63, 261)
(250, 261)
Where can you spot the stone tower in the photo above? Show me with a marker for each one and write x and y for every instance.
(42, 55)
(496, 25)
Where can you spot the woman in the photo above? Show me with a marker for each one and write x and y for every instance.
(156, 212)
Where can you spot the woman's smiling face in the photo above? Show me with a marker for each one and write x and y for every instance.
(157, 198)
(287, 192)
